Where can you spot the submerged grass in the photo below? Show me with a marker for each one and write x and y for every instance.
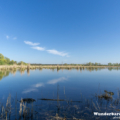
(60, 109)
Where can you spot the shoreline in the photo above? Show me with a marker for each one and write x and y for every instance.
(51, 67)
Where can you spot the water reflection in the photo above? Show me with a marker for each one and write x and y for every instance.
(34, 87)
(40, 69)
(3, 74)
(68, 104)
(22, 71)
(28, 71)
(30, 90)
(58, 69)
(54, 81)
(13, 71)
(93, 69)
(113, 68)
(62, 109)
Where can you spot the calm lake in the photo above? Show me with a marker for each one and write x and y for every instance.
(60, 94)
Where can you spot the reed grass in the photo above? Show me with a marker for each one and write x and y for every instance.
(82, 110)
(11, 67)
(71, 110)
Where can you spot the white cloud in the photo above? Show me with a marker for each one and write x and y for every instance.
(7, 37)
(38, 48)
(38, 85)
(29, 90)
(56, 80)
(30, 43)
(53, 51)
(57, 52)
(14, 38)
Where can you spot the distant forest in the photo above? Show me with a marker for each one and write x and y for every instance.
(87, 64)
(7, 61)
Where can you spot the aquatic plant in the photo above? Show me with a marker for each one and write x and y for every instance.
(61, 109)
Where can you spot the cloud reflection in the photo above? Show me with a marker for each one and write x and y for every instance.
(33, 88)
(54, 81)
(30, 90)
(38, 85)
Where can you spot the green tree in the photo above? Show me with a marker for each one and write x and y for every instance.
(116, 64)
(109, 64)
(21, 63)
(7, 60)
(2, 60)
(11, 62)
(15, 62)
(90, 64)
(96, 63)
(65, 64)
(1, 57)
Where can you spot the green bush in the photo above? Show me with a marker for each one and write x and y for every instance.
(7, 61)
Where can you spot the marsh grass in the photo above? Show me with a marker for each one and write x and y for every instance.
(61, 109)
(58, 67)
(57, 108)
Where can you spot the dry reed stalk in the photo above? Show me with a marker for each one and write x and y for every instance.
(14, 66)
(28, 66)
(20, 111)
(24, 109)
(6, 115)
(3, 112)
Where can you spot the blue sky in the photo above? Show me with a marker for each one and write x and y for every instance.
(56, 31)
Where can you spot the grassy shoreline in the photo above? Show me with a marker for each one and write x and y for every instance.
(51, 66)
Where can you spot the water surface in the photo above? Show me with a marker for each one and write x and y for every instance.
(67, 84)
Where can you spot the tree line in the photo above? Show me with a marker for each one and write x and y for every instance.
(7, 61)
(93, 64)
